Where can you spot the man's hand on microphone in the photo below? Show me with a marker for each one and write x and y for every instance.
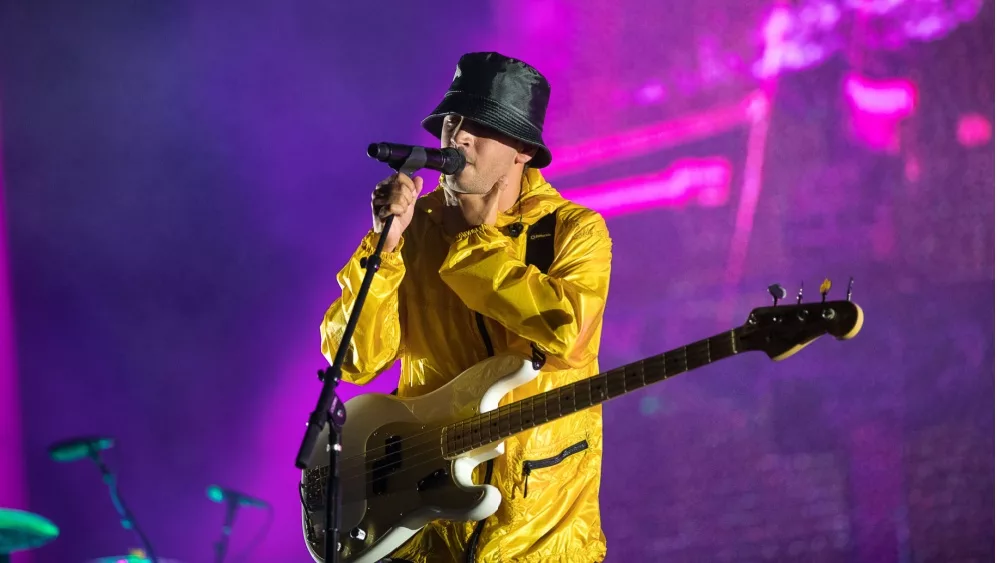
(396, 195)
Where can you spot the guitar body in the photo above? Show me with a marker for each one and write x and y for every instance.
(396, 478)
(393, 473)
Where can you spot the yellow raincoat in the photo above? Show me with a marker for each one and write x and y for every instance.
(422, 309)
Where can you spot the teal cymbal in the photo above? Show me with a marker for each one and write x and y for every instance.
(136, 556)
(20, 530)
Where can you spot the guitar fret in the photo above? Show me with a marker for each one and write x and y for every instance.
(503, 422)
(614, 377)
(493, 434)
(483, 427)
(490, 428)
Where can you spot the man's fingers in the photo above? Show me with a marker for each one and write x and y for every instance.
(392, 209)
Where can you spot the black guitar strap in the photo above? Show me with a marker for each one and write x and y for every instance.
(540, 253)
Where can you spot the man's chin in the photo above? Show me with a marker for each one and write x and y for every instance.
(460, 191)
(457, 187)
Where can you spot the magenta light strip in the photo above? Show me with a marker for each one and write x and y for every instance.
(749, 195)
(705, 181)
(598, 152)
(12, 483)
(888, 98)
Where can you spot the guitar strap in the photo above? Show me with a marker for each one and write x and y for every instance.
(540, 252)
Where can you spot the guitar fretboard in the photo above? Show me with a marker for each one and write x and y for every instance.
(501, 423)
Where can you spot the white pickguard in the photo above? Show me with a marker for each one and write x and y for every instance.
(476, 390)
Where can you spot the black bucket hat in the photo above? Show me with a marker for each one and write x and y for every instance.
(504, 94)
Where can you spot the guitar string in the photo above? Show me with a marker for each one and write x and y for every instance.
(350, 469)
(666, 357)
(500, 411)
(347, 472)
(420, 459)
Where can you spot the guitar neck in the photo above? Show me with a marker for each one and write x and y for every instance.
(496, 425)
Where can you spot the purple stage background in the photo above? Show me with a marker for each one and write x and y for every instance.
(183, 180)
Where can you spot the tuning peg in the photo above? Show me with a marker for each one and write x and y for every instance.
(824, 288)
(777, 292)
(802, 287)
(850, 286)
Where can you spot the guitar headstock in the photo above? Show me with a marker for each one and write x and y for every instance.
(782, 330)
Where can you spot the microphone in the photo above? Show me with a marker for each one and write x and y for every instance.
(449, 161)
(76, 449)
(218, 494)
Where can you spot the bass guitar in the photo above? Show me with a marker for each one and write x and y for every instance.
(408, 461)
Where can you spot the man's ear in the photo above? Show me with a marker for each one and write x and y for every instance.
(526, 153)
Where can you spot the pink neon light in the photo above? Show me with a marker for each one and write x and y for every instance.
(702, 180)
(596, 152)
(974, 130)
(777, 26)
(749, 196)
(650, 93)
(885, 98)
(12, 474)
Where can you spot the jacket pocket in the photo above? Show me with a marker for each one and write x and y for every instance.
(533, 464)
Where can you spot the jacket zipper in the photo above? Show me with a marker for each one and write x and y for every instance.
(531, 465)
(473, 547)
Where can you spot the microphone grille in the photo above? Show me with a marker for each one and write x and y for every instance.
(74, 449)
(454, 160)
(215, 493)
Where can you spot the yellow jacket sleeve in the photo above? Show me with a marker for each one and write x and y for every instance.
(561, 312)
(376, 342)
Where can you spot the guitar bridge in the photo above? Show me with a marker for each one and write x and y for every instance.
(313, 490)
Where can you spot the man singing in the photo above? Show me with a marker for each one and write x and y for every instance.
(457, 285)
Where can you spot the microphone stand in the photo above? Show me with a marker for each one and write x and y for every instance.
(127, 519)
(227, 528)
(329, 408)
